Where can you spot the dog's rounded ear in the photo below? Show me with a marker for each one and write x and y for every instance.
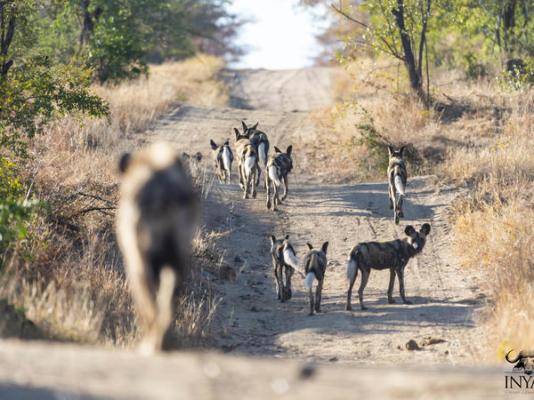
(185, 156)
(309, 245)
(324, 248)
(273, 239)
(287, 237)
(227, 142)
(409, 230)
(401, 151)
(289, 150)
(390, 150)
(276, 149)
(255, 126)
(213, 145)
(425, 229)
(198, 156)
(237, 133)
(244, 125)
(124, 161)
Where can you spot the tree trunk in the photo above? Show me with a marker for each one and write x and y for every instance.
(7, 31)
(409, 58)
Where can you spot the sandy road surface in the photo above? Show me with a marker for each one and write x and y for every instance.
(250, 321)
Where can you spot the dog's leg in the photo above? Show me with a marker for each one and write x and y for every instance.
(363, 283)
(275, 196)
(241, 179)
(268, 191)
(401, 214)
(318, 294)
(285, 188)
(247, 184)
(349, 292)
(400, 274)
(288, 273)
(310, 294)
(276, 267)
(254, 181)
(391, 194)
(391, 300)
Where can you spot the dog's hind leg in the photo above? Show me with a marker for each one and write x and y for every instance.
(285, 188)
(352, 273)
(391, 300)
(400, 274)
(268, 191)
(318, 295)
(363, 284)
(310, 294)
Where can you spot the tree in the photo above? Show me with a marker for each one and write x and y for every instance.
(398, 28)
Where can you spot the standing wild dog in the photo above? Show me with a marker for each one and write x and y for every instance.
(223, 157)
(278, 168)
(397, 177)
(155, 219)
(383, 255)
(315, 268)
(285, 262)
(247, 158)
(261, 143)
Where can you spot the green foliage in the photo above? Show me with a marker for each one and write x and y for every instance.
(16, 211)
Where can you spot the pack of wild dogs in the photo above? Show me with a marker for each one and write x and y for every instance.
(156, 219)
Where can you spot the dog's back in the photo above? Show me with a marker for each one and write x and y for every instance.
(155, 219)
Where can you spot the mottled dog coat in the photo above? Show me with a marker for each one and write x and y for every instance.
(260, 142)
(397, 178)
(285, 262)
(223, 158)
(315, 269)
(247, 158)
(155, 219)
(278, 168)
(393, 255)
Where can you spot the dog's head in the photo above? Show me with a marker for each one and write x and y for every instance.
(287, 154)
(396, 154)
(216, 149)
(249, 130)
(417, 239)
(241, 135)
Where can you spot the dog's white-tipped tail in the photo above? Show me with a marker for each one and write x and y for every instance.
(308, 281)
(273, 174)
(250, 162)
(291, 259)
(399, 185)
(226, 159)
(352, 269)
(262, 151)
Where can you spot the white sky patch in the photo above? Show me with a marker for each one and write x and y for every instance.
(280, 35)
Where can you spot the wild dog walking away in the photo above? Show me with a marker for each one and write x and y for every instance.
(394, 255)
(315, 269)
(247, 158)
(155, 219)
(397, 177)
(223, 158)
(261, 143)
(285, 262)
(278, 168)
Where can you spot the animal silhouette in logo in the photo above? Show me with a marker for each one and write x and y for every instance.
(524, 361)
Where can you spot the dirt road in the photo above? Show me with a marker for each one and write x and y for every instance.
(250, 321)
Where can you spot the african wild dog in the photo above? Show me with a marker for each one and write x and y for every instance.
(394, 255)
(278, 168)
(285, 262)
(260, 142)
(247, 159)
(397, 177)
(223, 157)
(315, 268)
(155, 219)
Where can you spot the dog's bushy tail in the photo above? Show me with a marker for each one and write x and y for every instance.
(291, 259)
(273, 174)
(250, 163)
(308, 281)
(227, 158)
(352, 266)
(262, 152)
(399, 184)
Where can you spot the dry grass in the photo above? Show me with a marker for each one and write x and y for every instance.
(67, 276)
(479, 136)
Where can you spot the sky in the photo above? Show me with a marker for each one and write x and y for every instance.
(279, 34)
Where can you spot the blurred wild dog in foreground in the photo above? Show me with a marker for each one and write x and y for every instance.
(397, 177)
(247, 159)
(285, 262)
(278, 168)
(155, 220)
(394, 255)
(261, 143)
(315, 268)
(223, 157)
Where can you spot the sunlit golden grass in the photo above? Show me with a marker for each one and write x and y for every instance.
(67, 277)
